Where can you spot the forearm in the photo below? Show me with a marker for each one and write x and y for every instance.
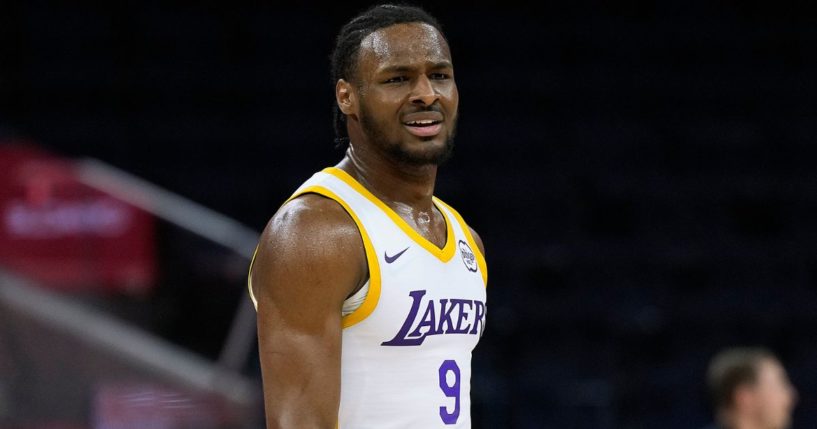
(301, 377)
(294, 399)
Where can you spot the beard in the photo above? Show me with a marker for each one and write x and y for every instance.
(397, 150)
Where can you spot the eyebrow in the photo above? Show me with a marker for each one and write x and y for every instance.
(403, 69)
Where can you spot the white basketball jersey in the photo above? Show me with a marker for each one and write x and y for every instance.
(406, 350)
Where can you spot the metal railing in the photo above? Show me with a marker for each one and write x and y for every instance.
(195, 218)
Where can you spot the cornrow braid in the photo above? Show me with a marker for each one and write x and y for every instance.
(344, 57)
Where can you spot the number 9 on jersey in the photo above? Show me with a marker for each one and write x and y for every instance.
(451, 390)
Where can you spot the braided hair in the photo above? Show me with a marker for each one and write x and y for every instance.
(344, 57)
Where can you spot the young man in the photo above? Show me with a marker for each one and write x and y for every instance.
(750, 390)
(370, 291)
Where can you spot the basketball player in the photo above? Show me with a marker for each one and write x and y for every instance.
(750, 390)
(370, 291)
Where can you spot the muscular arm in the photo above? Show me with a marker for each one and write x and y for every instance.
(310, 258)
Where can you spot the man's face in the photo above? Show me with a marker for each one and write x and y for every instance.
(774, 396)
(407, 95)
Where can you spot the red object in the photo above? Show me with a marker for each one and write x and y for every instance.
(46, 425)
(145, 405)
(66, 234)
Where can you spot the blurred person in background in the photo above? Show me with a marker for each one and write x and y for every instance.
(370, 291)
(750, 390)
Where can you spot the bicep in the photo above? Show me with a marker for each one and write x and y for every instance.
(303, 271)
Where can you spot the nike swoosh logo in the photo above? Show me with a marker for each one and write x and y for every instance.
(390, 259)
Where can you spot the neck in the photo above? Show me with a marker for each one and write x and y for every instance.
(395, 183)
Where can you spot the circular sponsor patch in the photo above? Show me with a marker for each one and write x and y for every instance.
(468, 257)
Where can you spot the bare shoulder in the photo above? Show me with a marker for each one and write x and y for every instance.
(478, 240)
(310, 237)
(309, 214)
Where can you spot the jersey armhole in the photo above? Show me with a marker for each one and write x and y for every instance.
(372, 298)
(483, 267)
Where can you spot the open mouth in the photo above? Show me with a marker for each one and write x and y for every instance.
(422, 123)
(424, 128)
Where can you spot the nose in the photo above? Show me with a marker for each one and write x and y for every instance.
(423, 92)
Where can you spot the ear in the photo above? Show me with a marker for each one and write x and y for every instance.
(346, 97)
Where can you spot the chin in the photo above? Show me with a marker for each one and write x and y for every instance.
(429, 151)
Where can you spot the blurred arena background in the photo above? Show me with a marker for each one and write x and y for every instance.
(642, 175)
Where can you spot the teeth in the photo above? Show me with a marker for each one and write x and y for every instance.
(423, 122)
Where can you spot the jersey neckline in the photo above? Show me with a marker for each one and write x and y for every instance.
(444, 254)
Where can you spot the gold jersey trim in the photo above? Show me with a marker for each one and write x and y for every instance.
(444, 254)
(483, 267)
(370, 302)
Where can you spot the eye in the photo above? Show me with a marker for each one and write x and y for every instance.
(440, 76)
(396, 79)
